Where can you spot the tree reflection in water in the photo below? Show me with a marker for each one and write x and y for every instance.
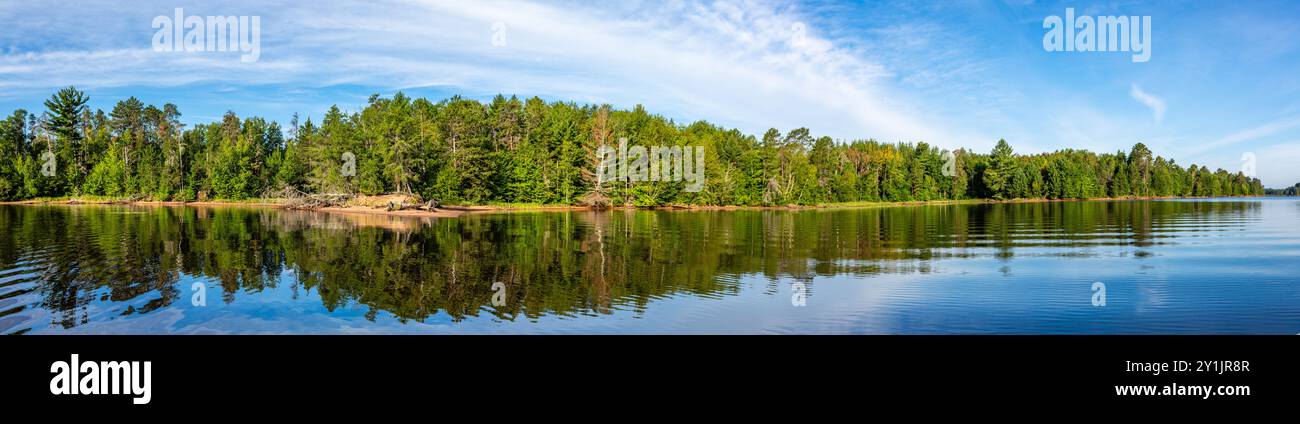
(562, 263)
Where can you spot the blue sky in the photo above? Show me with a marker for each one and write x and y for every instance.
(1221, 80)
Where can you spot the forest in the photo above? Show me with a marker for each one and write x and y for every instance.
(462, 151)
(1288, 191)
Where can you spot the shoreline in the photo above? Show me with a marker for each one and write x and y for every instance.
(459, 210)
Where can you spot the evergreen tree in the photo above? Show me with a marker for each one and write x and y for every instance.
(1001, 171)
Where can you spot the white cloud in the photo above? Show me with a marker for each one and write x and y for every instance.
(747, 64)
(738, 63)
(1251, 134)
(1276, 164)
(1156, 104)
(1276, 154)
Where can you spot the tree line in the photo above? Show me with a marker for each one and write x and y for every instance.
(462, 151)
(1289, 191)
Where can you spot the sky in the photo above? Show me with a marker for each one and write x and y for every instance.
(1222, 83)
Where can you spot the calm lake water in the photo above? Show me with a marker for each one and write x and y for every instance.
(1181, 266)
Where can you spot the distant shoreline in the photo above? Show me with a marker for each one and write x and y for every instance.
(458, 210)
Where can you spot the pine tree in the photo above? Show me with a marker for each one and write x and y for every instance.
(1000, 172)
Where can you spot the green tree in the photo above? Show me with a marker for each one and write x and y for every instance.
(1001, 171)
(464, 151)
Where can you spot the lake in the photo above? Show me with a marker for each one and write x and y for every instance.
(1203, 266)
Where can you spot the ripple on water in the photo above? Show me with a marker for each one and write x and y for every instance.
(1168, 267)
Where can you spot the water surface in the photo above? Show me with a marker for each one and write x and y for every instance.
(1168, 267)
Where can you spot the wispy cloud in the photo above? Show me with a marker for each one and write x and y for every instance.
(1277, 163)
(750, 64)
(1156, 104)
(1253, 133)
(948, 73)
